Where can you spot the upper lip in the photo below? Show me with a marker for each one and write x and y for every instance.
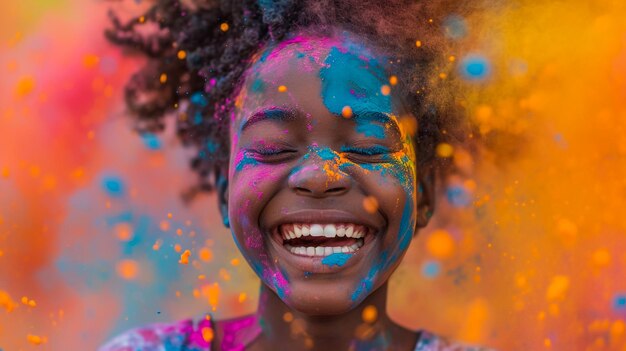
(323, 216)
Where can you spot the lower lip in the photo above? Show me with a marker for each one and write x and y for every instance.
(313, 264)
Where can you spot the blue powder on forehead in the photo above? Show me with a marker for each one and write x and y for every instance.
(336, 259)
(348, 80)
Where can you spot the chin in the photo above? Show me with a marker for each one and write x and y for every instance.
(319, 300)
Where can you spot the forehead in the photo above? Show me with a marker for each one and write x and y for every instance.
(340, 70)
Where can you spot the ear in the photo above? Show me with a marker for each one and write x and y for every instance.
(221, 181)
(425, 196)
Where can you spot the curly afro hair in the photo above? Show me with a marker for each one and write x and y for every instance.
(198, 51)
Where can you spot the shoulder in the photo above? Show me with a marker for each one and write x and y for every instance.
(430, 342)
(179, 336)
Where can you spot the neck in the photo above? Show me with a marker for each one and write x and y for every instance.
(288, 329)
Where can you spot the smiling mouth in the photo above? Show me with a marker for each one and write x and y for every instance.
(322, 239)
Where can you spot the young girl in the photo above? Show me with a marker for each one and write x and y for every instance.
(314, 129)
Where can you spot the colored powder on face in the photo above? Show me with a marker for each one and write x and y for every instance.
(258, 86)
(371, 130)
(243, 160)
(336, 259)
(348, 80)
(325, 154)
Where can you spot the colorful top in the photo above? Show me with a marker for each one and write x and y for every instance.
(185, 336)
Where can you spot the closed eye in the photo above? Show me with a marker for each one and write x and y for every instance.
(272, 154)
(369, 154)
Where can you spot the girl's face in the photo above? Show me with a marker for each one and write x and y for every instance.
(321, 194)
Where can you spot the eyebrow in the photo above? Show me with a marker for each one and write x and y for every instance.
(281, 114)
(272, 114)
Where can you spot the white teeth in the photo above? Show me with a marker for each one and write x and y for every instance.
(305, 230)
(329, 230)
(341, 230)
(349, 230)
(323, 250)
(317, 230)
(297, 231)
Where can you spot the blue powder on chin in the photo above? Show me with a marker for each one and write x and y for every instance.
(336, 259)
(348, 80)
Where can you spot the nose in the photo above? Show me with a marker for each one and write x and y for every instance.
(319, 177)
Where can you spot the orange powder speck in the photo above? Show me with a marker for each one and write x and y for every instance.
(346, 111)
(35, 339)
(178, 248)
(179, 232)
(181, 55)
(201, 276)
(557, 288)
(242, 297)
(369, 314)
(141, 19)
(207, 334)
(288, 317)
(163, 78)
(444, 150)
(177, 293)
(32, 303)
(370, 204)
(6, 302)
(5, 172)
(224, 27)
(451, 58)
(127, 269)
(547, 342)
(164, 225)
(282, 89)
(418, 43)
(90, 60)
(443, 75)
(224, 274)
(601, 258)
(440, 244)
(184, 257)
(25, 86)
(157, 245)
(393, 80)
(196, 293)
(212, 292)
(169, 215)
(385, 90)
(234, 262)
(123, 231)
(205, 254)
